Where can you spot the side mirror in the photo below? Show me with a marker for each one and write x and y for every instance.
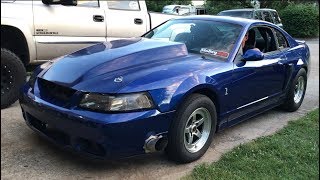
(253, 55)
(62, 2)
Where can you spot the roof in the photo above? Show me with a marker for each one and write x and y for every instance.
(200, 6)
(227, 19)
(248, 9)
(174, 5)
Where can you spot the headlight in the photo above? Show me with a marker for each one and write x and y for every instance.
(124, 102)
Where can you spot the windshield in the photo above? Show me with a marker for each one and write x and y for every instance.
(210, 38)
(169, 9)
(243, 14)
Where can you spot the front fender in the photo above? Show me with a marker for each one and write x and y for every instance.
(26, 30)
(169, 98)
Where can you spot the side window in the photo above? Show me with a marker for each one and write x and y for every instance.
(275, 17)
(282, 41)
(94, 3)
(184, 11)
(259, 40)
(272, 45)
(267, 16)
(82, 3)
(258, 15)
(124, 5)
(268, 41)
(258, 35)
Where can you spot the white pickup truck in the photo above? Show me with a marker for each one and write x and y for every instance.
(36, 31)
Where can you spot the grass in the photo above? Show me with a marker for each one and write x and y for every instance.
(291, 153)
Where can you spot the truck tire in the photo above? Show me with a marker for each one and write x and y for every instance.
(13, 76)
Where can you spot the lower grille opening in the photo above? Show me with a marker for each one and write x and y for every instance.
(91, 147)
(63, 139)
(36, 123)
(58, 136)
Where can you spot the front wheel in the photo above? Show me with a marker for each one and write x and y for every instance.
(191, 132)
(296, 92)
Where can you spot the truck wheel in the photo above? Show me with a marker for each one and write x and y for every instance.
(296, 92)
(192, 130)
(13, 76)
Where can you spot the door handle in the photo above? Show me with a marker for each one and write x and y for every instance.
(138, 21)
(98, 18)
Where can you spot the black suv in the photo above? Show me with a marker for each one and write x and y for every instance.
(269, 15)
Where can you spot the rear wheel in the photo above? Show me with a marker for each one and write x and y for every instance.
(13, 76)
(296, 92)
(191, 132)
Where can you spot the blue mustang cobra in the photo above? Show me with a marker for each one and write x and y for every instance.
(170, 89)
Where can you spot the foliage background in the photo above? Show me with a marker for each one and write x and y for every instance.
(300, 18)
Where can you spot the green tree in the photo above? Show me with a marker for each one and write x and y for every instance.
(305, 22)
(157, 6)
(215, 6)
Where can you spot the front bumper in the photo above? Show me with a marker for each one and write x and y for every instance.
(93, 134)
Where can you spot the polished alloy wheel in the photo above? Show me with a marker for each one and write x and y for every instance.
(299, 90)
(197, 130)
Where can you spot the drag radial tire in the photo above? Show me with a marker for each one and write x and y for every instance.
(13, 76)
(296, 92)
(191, 131)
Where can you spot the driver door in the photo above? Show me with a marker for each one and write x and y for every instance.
(257, 84)
(60, 29)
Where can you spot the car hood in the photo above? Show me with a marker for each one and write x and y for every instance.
(110, 66)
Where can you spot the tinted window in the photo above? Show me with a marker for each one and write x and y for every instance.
(94, 3)
(258, 35)
(265, 39)
(267, 16)
(124, 5)
(260, 42)
(271, 41)
(282, 41)
(275, 17)
(243, 14)
(184, 11)
(258, 15)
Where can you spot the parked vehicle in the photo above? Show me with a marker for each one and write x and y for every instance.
(179, 9)
(37, 31)
(269, 15)
(171, 89)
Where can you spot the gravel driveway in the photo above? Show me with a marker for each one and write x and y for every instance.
(24, 155)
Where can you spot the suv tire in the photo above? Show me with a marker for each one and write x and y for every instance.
(13, 76)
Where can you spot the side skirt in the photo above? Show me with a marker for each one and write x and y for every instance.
(250, 110)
